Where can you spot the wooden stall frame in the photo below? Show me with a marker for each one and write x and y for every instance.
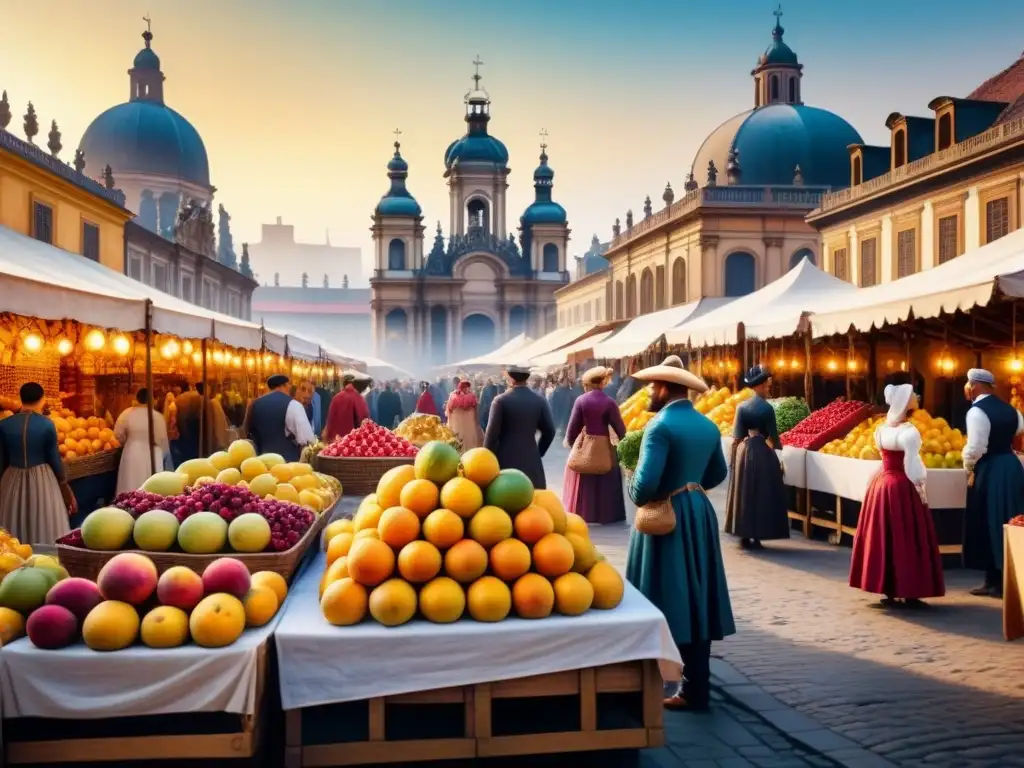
(216, 746)
(478, 739)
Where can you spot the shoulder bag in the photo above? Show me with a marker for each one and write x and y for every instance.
(657, 518)
(591, 454)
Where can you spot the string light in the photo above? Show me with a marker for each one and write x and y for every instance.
(236, 361)
(187, 347)
(94, 340)
(170, 349)
(794, 364)
(65, 347)
(851, 366)
(33, 343)
(832, 365)
(197, 358)
(122, 345)
(218, 357)
(250, 362)
(1016, 365)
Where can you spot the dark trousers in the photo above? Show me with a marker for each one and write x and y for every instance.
(696, 672)
(994, 578)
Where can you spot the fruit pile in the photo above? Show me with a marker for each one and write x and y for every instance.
(78, 437)
(40, 600)
(710, 399)
(634, 411)
(422, 428)
(941, 446)
(804, 434)
(444, 538)
(13, 553)
(724, 413)
(369, 441)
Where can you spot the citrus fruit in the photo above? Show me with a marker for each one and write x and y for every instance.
(489, 599)
(608, 586)
(437, 462)
(443, 528)
(553, 555)
(260, 605)
(584, 553)
(510, 559)
(272, 580)
(367, 517)
(419, 561)
(479, 466)
(533, 596)
(462, 496)
(466, 561)
(335, 571)
(393, 602)
(344, 602)
(367, 533)
(511, 490)
(420, 496)
(370, 561)
(398, 526)
(489, 526)
(343, 525)
(339, 546)
(573, 594)
(576, 524)
(533, 524)
(549, 500)
(442, 600)
(391, 483)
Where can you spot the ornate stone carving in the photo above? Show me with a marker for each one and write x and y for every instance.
(194, 228)
(344, 282)
(798, 177)
(712, 174)
(668, 195)
(54, 144)
(108, 177)
(80, 161)
(225, 243)
(733, 172)
(709, 241)
(441, 261)
(629, 219)
(246, 266)
(648, 208)
(772, 242)
(5, 112)
(31, 124)
(691, 183)
(305, 280)
(616, 229)
(277, 279)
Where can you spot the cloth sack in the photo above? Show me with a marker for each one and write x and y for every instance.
(658, 518)
(591, 454)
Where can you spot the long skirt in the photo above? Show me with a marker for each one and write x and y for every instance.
(895, 551)
(464, 424)
(756, 502)
(996, 496)
(595, 498)
(682, 572)
(31, 505)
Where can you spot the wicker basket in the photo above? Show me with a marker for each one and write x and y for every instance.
(86, 563)
(359, 476)
(96, 464)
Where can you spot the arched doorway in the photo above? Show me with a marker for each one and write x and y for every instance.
(739, 274)
(439, 334)
(478, 213)
(516, 321)
(803, 253)
(396, 332)
(477, 335)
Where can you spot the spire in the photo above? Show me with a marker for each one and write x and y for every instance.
(31, 124)
(778, 31)
(544, 175)
(398, 201)
(648, 207)
(5, 112)
(54, 144)
(668, 195)
(478, 102)
(246, 267)
(147, 81)
(778, 71)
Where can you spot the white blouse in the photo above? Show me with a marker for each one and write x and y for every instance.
(904, 437)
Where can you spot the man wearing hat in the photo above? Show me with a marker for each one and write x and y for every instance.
(995, 490)
(755, 509)
(277, 423)
(515, 419)
(682, 572)
(348, 409)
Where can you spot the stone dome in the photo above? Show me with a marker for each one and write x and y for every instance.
(476, 148)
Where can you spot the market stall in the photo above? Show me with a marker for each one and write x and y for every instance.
(581, 351)
(1013, 580)
(640, 332)
(500, 356)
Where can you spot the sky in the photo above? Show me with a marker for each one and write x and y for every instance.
(297, 102)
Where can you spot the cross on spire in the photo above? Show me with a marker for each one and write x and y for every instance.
(543, 139)
(149, 23)
(398, 133)
(477, 63)
(777, 13)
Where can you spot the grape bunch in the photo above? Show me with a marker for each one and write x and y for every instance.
(288, 522)
(225, 500)
(139, 502)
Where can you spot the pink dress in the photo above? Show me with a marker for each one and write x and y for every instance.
(596, 498)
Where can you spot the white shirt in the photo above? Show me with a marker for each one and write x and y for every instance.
(296, 424)
(978, 429)
(904, 437)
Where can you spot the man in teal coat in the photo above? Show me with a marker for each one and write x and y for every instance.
(682, 572)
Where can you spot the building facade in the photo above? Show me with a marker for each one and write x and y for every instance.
(479, 287)
(43, 197)
(278, 254)
(740, 221)
(945, 185)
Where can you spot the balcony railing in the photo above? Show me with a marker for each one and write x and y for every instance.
(787, 198)
(1006, 133)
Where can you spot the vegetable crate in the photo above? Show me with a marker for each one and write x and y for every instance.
(612, 707)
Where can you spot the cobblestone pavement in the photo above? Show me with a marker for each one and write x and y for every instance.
(937, 687)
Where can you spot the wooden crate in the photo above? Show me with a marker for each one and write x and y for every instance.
(235, 744)
(482, 732)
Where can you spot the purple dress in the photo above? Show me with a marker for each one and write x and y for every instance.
(596, 498)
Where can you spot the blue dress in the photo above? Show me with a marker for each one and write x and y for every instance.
(682, 572)
(32, 506)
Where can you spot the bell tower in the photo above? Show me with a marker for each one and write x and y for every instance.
(778, 72)
(147, 81)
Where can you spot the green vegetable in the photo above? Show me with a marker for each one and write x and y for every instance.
(628, 449)
(789, 411)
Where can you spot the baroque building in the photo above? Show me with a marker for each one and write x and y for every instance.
(739, 223)
(947, 184)
(479, 287)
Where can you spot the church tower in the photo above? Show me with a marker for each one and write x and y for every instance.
(778, 72)
(476, 167)
(397, 223)
(543, 225)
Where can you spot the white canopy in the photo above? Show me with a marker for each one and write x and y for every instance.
(775, 310)
(499, 356)
(382, 369)
(301, 348)
(547, 343)
(642, 331)
(962, 283)
(560, 356)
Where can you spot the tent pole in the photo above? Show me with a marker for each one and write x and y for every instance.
(808, 379)
(149, 385)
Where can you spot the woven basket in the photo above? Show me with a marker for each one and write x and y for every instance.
(96, 464)
(359, 476)
(86, 563)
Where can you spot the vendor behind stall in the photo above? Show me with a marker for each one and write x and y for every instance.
(132, 430)
(35, 498)
(276, 423)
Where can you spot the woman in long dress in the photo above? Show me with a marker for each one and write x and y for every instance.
(463, 416)
(895, 551)
(35, 498)
(132, 430)
(596, 498)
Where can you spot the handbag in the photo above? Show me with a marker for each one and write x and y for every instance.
(591, 454)
(657, 518)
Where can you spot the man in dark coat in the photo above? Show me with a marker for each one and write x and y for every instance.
(408, 395)
(560, 408)
(389, 407)
(487, 395)
(515, 419)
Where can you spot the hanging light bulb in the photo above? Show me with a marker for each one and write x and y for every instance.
(832, 365)
(122, 345)
(1016, 365)
(197, 358)
(851, 366)
(268, 359)
(236, 361)
(94, 340)
(794, 364)
(218, 357)
(65, 347)
(32, 343)
(170, 349)
(187, 347)
(250, 362)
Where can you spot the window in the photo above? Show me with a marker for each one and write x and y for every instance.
(868, 262)
(659, 288)
(840, 265)
(899, 149)
(792, 90)
(679, 281)
(608, 302)
(857, 175)
(740, 271)
(620, 307)
(135, 268)
(396, 254)
(187, 292)
(997, 219)
(631, 296)
(586, 312)
(646, 292)
(159, 276)
(550, 258)
(91, 241)
(42, 222)
(945, 129)
(948, 246)
(774, 84)
(906, 253)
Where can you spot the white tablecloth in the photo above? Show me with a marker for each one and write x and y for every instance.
(322, 664)
(794, 459)
(849, 478)
(77, 683)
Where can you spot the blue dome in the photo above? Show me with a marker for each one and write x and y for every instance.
(398, 206)
(476, 149)
(544, 171)
(779, 53)
(774, 139)
(146, 59)
(145, 137)
(544, 212)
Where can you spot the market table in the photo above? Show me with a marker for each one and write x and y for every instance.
(368, 677)
(60, 705)
(1013, 582)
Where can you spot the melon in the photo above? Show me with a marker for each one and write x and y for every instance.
(166, 484)
(239, 451)
(511, 490)
(437, 462)
(197, 468)
(220, 460)
(271, 460)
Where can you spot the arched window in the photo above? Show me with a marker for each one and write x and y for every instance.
(659, 287)
(396, 254)
(856, 174)
(608, 302)
(773, 83)
(739, 274)
(679, 281)
(631, 296)
(946, 131)
(646, 292)
(478, 214)
(798, 256)
(899, 149)
(550, 258)
(620, 307)
(792, 90)
(586, 312)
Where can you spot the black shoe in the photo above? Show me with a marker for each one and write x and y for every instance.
(756, 544)
(913, 602)
(986, 590)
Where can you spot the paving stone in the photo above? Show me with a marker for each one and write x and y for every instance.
(791, 722)
(823, 740)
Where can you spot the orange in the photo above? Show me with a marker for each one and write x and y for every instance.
(480, 466)
(391, 483)
(393, 602)
(466, 561)
(462, 496)
(217, 621)
(342, 525)
(367, 517)
(339, 546)
(370, 562)
(576, 524)
(420, 496)
(510, 559)
(443, 528)
(573, 594)
(367, 533)
(419, 562)
(533, 596)
(489, 526)
(608, 586)
(344, 603)
(489, 599)
(260, 606)
(533, 524)
(553, 555)
(442, 600)
(336, 570)
(584, 553)
(398, 526)
(272, 580)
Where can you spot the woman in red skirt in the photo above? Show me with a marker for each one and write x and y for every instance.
(895, 551)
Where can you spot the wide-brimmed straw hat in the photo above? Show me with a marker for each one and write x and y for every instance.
(596, 373)
(672, 372)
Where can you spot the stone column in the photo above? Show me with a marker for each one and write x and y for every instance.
(773, 266)
(450, 336)
(712, 279)
(457, 328)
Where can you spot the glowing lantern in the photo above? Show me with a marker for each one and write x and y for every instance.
(33, 343)
(64, 347)
(94, 340)
(122, 345)
(187, 348)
